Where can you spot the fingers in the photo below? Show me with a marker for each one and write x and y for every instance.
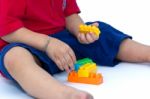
(62, 63)
(65, 60)
(82, 38)
(73, 59)
(95, 24)
(90, 38)
(68, 63)
(58, 63)
(87, 38)
(93, 36)
(70, 59)
(61, 54)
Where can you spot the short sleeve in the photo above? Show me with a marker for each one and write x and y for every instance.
(10, 15)
(71, 7)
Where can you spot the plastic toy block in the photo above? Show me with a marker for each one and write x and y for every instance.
(85, 70)
(81, 62)
(92, 79)
(89, 29)
(84, 61)
(77, 66)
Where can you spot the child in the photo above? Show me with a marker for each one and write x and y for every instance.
(40, 38)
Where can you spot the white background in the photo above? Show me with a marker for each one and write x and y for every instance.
(126, 80)
(129, 16)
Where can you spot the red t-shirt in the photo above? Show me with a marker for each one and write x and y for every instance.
(42, 16)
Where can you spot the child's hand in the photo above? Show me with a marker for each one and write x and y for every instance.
(89, 37)
(61, 54)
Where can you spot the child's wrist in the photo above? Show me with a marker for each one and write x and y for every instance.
(46, 44)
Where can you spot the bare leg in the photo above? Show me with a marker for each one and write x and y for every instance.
(34, 80)
(131, 51)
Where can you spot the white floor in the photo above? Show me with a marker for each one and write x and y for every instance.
(126, 80)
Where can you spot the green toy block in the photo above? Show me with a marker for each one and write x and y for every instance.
(84, 61)
(81, 62)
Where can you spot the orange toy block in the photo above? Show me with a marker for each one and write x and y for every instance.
(92, 79)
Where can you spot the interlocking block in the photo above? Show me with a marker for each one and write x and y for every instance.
(92, 79)
(81, 62)
(84, 61)
(89, 29)
(77, 66)
(85, 70)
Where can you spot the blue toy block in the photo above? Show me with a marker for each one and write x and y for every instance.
(77, 66)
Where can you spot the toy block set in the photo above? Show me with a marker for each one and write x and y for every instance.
(89, 29)
(85, 72)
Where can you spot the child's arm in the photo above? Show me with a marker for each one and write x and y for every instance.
(28, 37)
(57, 50)
(72, 24)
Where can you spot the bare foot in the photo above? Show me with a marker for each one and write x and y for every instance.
(71, 93)
(64, 92)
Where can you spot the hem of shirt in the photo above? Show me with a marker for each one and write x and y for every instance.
(10, 28)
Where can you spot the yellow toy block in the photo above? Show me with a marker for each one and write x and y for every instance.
(89, 29)
(86, 69)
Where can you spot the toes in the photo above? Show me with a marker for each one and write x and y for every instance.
(90, 97)
(84, 96)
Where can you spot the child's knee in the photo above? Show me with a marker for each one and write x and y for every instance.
(13, 55)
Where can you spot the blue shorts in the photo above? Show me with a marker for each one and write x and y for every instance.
(103, 51)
